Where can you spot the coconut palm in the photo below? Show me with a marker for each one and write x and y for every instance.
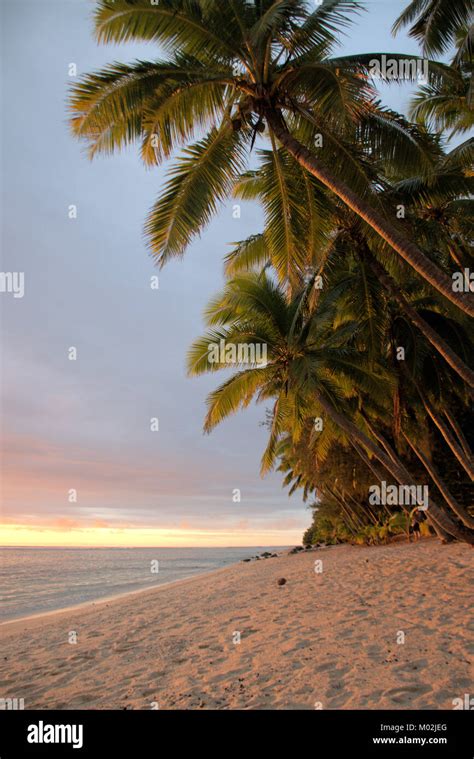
(441, 205)
(312, 370)
(436, 24)
(304, 226)
(332, 473)
(426, 391)
(442, 106)
(354, 274)
(298, 219)
(331, 470)
(439, 25)
(446, 493)
(233, 69)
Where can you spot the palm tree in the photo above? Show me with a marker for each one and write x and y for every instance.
(233, 69)
(427, 391)
(311, 371)
(436, 24)
(326, 468)
(458, 509)
(304, 226)
(354, 290)
(414, 316)
(439, 25)
(441, 205)
(442, 106)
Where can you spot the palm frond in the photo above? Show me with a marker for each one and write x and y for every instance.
(199, 181)
(234, 394)
(176, 25)
(161, 102)
(444, 106)
(322, 27)
(247, 255)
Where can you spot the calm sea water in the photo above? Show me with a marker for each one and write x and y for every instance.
(35, 580)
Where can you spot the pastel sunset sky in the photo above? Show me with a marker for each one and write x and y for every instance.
(84, 425)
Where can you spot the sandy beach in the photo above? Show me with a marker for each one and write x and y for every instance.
(380, 627)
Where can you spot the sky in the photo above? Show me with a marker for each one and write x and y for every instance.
(80, 464)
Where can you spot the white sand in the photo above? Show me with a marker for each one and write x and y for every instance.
(328, 638)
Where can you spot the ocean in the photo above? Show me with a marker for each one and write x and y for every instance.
(36, 580)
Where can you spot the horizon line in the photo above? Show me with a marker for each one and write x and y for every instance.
(255, 545)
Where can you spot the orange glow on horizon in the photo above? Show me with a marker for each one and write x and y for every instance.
(21, 535)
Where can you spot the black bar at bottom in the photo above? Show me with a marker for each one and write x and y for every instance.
(423, 734)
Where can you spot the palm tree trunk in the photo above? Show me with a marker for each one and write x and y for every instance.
(370, 465)
(459, 433)
(351, 520)
(371, 514)
(465, 461)
(431, 335)
(380, 438)
(404, 247)
(444, 536)
(459, 510)
(396, 469)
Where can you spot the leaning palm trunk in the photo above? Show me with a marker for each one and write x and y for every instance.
(458, 509)
(396, 469)
(431, 335)
(383, 442)
(459, 433)
(370, 465)
(444, 536)
(405, 248)
(367, 511)
(465, 461)
(353, 520)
